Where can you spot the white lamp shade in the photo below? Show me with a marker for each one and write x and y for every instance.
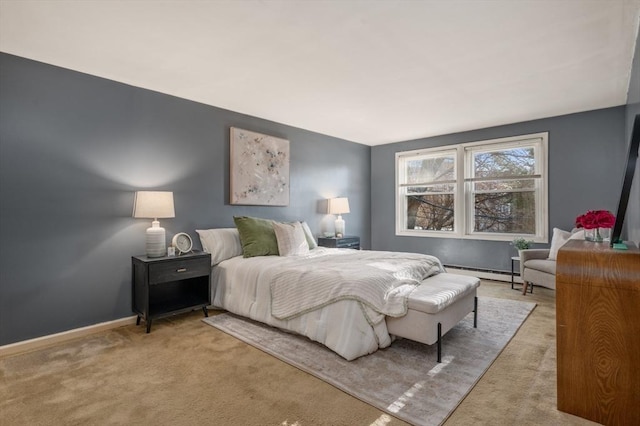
(338, 205)
(153, 204)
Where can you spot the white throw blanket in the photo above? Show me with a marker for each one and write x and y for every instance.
(380, 281)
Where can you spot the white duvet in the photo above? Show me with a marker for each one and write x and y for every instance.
(344, 324)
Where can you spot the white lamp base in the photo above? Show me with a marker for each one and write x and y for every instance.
(339, 226)
(156, 242)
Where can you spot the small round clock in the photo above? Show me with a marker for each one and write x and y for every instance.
(182, 242)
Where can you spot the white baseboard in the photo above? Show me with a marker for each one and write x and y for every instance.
(485, 275)
(51, 339)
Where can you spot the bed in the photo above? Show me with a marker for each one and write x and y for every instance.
(318, 294)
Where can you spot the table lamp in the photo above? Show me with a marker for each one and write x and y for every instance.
(339, 206)
(154, 205)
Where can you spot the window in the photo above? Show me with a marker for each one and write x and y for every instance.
(492, 190)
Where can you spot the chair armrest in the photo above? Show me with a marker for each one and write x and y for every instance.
(531, 254)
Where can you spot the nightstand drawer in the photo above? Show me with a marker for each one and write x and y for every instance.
(347, 242)
(178, 270)
(342, 242)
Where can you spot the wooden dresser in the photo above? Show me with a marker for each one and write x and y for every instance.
(598, 332)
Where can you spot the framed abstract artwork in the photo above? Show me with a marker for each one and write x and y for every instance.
(259, 169)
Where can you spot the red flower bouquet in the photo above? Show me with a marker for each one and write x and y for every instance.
(593, 222)
(596, 219)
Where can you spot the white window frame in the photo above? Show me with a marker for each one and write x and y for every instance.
(463, 202)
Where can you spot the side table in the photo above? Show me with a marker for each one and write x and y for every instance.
(166, 285)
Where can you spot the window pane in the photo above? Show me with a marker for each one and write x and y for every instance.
(497, 188)
(431, 212)
(430, 169)
(505, 212)
(508, 162)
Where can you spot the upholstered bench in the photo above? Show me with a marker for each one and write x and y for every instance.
(435, 307)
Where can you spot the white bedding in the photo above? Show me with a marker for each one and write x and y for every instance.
(243, 286)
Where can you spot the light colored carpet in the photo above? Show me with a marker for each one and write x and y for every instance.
(403, 380)
(186, 372)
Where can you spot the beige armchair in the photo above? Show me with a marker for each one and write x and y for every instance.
(536, 268)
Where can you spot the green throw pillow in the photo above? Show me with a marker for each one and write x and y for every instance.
(257, 236)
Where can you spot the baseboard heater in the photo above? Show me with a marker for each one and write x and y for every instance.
(487, 274)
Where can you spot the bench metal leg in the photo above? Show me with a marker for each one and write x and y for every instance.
(475, 325)
(439, 342)
(475, 312)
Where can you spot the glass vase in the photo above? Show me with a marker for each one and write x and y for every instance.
(597, 235)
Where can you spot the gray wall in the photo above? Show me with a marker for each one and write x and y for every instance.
(585, 153)
(74, 148)
(632, 219)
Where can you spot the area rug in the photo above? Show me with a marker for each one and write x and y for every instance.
(404, 379)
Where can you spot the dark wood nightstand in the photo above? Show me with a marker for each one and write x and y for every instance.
(342, 242)
(164, 286)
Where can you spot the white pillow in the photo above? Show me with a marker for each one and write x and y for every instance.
(307, 232)
(560, 238)
(291, 239)
(222, 243)
(577, 234)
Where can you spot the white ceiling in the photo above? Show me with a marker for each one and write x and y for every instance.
(371, 72)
